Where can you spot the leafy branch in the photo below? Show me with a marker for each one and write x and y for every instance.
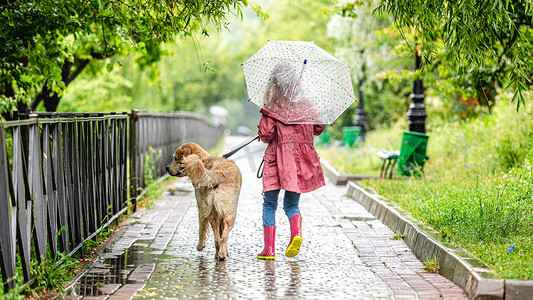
(474, 36)
(47, 44)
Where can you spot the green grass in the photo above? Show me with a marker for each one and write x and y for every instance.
(431, 265)
(485, 217)
(398, 237)
(48, 276)
(477, 190)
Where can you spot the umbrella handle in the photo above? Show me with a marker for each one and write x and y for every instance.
(297, 85)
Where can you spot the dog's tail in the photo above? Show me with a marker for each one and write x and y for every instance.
(217, 207)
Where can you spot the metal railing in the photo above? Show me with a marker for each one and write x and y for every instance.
(155, 137)
(64, 176)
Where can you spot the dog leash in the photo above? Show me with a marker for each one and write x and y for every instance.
(227, 155)
(260, 170)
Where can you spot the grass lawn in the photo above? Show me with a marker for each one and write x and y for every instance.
(477, 190)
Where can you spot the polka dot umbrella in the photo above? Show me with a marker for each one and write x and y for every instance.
(298, 82)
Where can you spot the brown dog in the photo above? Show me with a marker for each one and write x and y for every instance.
(217, 183)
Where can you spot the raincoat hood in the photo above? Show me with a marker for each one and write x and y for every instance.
(268, 114)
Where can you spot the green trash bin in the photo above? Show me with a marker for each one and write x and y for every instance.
(412, 153)
(350, 135)
(323, 139)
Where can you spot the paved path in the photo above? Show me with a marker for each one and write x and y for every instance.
(346, 253)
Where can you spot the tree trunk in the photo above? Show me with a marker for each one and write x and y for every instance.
(69, 71)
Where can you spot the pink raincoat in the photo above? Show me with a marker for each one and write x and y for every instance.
(291, 161)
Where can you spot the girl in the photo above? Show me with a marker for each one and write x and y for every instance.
(291, 162)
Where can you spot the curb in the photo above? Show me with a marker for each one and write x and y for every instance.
(457, 265)
(341, 179)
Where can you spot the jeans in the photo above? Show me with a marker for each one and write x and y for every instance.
(270, 204)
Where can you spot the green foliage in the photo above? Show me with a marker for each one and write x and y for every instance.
(431, 265)
(398, 237)
(490, 212)
(46, 44)
(464, 69)
(89, 245)
(477, 189)
(484, 44)
(101, 93)
(349, 10)
(382, 70)
(106, 232)
(152, 190)
(197, 72)
(51, 275)
(190, 73)
(150, 160)
(296, 20)
(352, 160)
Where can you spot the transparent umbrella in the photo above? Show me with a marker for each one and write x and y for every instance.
(298, 82)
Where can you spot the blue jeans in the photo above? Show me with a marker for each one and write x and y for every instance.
(270, 204)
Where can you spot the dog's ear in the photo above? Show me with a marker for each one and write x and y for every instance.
(185, 151)
(194, 168)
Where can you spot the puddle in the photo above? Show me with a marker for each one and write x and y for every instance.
(114, 270)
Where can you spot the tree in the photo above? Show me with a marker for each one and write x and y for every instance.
(196, 73)
(487, 43)
(365, 41)
(45, 45)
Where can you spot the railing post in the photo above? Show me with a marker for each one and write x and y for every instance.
(21, 198)
(40, 204)
(59, 177)
(114, 178)
(123, 186)
(50, 194)
(75, 193)
(8, 216)
(134, 179)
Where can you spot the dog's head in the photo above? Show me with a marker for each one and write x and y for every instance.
(176, 168)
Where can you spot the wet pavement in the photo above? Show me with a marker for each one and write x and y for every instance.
(346, 253)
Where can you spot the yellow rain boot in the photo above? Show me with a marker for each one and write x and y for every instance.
(296, 236)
